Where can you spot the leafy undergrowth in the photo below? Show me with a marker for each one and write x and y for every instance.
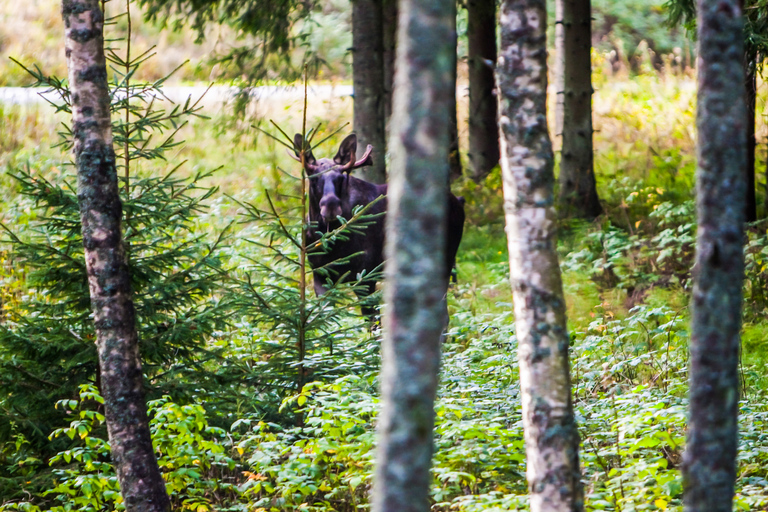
(629, 369)
(629, 388)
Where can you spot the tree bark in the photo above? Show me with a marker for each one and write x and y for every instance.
(483, 132)
(141, 483)
(368, 78)
(578, 192)
(559, 70)
(415, 295)
(551, 438)
(454, 151)
(750, 201)
(709, 463)
(389, 17)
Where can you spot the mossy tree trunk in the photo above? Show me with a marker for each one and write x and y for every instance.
(578, 192)
(414, 289)
(551, 438)
(140, 480)
(370, 90)
(483, 132)
(709, 463)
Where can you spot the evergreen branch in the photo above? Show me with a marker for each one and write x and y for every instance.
(279, 141)
(331, 134)
(285, 230)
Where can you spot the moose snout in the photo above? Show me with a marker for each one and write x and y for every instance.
(330, 208)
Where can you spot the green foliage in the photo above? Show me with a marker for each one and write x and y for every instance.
(264, 55)
(86, 479)
(756, 268)
(656, 250)
(193, 457)
(47, 338)
(231, 427)
(683, 12)
(325, 465)
(197, 460)
(300, 337)
(624, 24)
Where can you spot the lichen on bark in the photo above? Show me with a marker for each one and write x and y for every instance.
(414, 291)
(527, 161)
(141, 483)
(709, 462)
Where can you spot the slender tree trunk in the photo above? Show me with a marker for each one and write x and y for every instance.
(389, 17)
(551, 438)
(140, 480)
(417, 204)
(483, 132)
(750, 202)
(368, 78)
(709, 463)
(578, 193)
(559, 69)
(454, 151)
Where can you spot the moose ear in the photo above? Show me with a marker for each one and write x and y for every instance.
(298, 147)
(347, 150)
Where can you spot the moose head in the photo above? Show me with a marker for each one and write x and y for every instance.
(330, 177)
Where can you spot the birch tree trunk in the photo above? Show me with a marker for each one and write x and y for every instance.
(417, 203)
(483, 133)
(709, 463)
(551, 438)
(368, 77)
(141, 483)
(559, 72)
(578, 192)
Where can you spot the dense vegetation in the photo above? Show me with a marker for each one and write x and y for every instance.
(231, 428)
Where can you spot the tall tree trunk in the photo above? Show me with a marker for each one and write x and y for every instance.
(750, 202)
(709, 463)
(389, 17)
(483, 132)
(368, 78)
(141, 483)
(417, 200)
(454, 151)
(559, 69)
(551, 438)
(578, 193)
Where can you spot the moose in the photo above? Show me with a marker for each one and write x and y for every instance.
(334, 193)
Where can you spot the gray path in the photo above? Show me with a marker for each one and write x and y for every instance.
(216, 96)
